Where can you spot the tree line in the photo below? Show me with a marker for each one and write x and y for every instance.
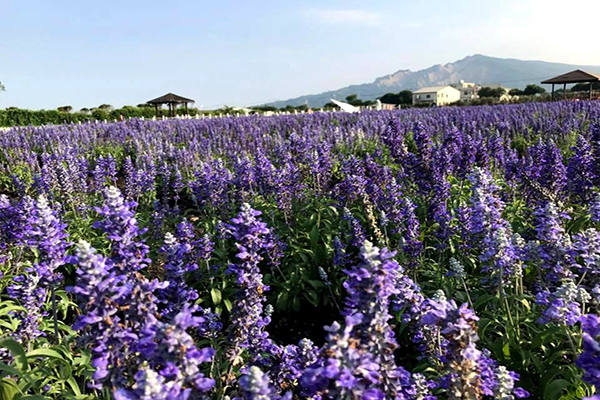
(13, 116)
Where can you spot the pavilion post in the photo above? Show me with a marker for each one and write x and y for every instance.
(171, 100)
(553, 91)
(564, 90)
(591, 90)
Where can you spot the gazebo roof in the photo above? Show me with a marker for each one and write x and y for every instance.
(574, 77)
(170, 98)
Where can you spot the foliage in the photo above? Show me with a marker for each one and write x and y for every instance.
(532, 90)
(585, 87)
(355, 101)
(20, 117)
(402, 98)
(491, 92)
(449, 253)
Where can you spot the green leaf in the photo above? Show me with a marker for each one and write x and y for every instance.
(549, 333)
(74, 387)
(296, 304)
(483, 300)
(526, 304)
(550, 375)
(506, 350)
(8, 389)
(215, 294)
(46, 353)
(312, 297)
(17, 352)
(316, 284)
(228, 304)
(11, 326)
(84, 359)
(10, 308)
(282, 300)
(10, 370)
(314, 235)
(554, 390)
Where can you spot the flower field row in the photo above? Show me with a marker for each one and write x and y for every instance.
(415, 254)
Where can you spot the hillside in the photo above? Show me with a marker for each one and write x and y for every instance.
(476, 68)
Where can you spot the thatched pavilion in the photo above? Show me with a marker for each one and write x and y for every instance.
(172, 100)
(577, 76)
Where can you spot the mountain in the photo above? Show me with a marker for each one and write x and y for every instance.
(508, 72)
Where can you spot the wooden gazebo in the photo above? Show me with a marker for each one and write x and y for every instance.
(577, 76)
(172, 100)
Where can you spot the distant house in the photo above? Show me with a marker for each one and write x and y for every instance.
(436, 95)
(468, 90)
(384, 106)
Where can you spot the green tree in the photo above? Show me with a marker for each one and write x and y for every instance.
(491, 92)
(66, 109)
(405, 96)
(584, 87)
(532, 90)
(353, 99)
(265, 108)
(100, 114)
(105, 107)
(390, 98)
(516, 92)
(2, 87)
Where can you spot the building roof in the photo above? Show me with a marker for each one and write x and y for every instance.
(432, 89)
(170, 98)
(574, 77)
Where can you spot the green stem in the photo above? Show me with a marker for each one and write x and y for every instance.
(510, 318)
(54, 315)
(571, 342)
(333, 298)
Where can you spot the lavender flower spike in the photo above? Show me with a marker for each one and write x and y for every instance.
(248, 320)
(256, 385)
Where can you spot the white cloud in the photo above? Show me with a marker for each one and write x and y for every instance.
(534, 29)
(357, 17)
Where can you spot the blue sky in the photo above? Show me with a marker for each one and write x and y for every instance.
(85, 53)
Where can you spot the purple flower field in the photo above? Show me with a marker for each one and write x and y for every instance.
(420, 254)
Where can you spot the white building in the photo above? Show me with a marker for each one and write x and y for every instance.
(436, 95)
(468, 90)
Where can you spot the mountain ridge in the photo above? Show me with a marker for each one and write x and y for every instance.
(478, 68)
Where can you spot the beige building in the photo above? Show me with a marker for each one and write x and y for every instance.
(468, 90)
(436, 95)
